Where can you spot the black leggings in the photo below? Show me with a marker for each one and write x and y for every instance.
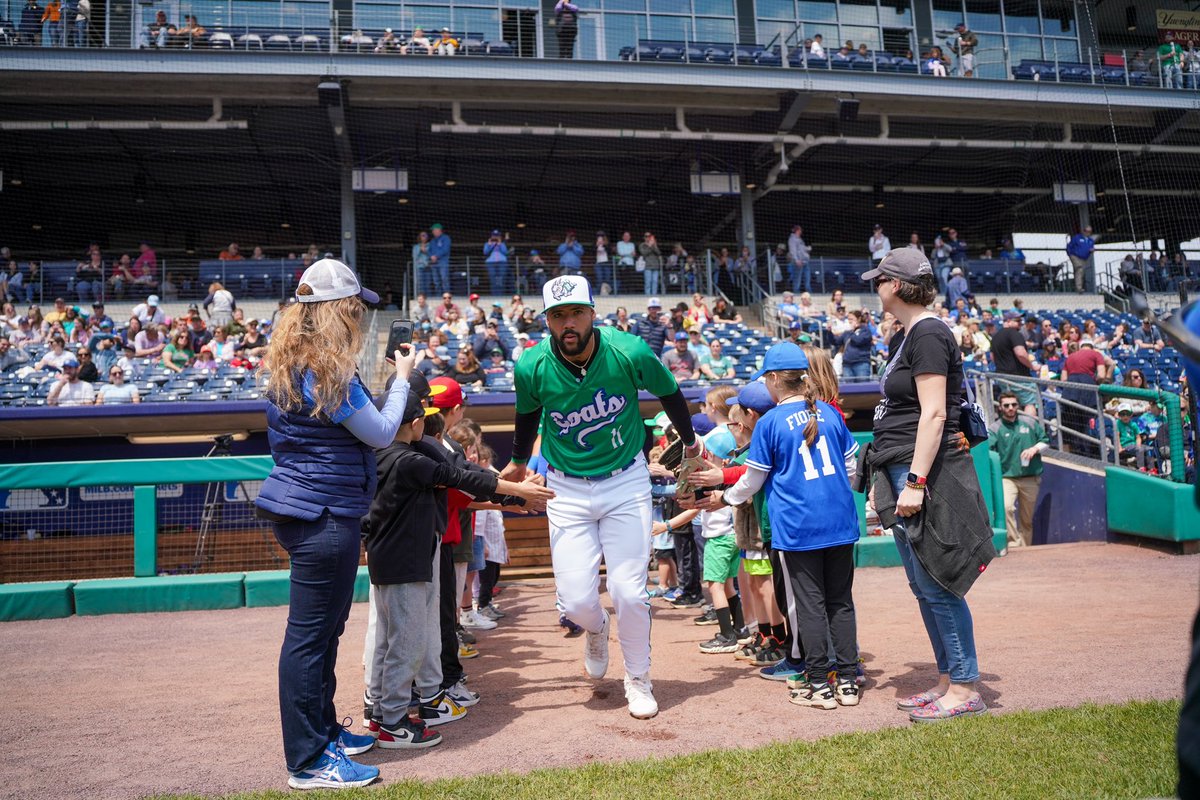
(821, 608)
(489, 576)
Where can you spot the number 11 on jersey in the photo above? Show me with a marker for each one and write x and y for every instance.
(810, 467)
(618, 440)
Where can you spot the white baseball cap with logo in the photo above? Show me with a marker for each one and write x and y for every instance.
(330, 279)
(567, 290)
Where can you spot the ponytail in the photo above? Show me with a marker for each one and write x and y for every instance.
(810, 428)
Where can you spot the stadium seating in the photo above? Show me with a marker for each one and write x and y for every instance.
(1075, 72)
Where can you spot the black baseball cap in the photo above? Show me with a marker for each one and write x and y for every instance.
(904, 263)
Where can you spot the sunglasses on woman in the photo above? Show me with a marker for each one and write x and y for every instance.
(880, 281)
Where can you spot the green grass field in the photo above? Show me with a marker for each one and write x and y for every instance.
(1125, 751)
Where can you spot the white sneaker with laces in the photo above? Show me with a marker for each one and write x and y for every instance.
(473, 619)
(595, 651)
(460, 694)
(639, 692)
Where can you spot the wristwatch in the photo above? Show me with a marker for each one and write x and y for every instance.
(916, 481)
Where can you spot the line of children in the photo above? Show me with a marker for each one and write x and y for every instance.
(420, 489)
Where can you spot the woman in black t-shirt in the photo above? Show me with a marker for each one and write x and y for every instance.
(919, 460)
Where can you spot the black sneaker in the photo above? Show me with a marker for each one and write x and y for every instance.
(464, 635)
(689, 601)
(770, 654)
(407, 735)
(721, 643)
(707, 618)
(751, 648)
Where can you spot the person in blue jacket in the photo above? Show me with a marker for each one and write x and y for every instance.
(1079, 250)
(856, 355)
(323, 430)
(570, 255)
(439, 258)
(495, 252)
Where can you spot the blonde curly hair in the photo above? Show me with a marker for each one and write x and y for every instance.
(324, 338)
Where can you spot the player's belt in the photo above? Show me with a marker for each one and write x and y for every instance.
(601, 477)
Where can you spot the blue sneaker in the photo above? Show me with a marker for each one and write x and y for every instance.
(354, 743)
(783, 670)
(671, 595)
(333, 770)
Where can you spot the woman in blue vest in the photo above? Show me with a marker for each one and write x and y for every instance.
(323, 429)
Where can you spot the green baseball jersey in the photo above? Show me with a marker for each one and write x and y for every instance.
(591, 425)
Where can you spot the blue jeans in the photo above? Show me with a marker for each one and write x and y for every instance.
(1172, 76)
(81, 31)
(604, 274)
(324, 555)
(801, 276)
(947, 617)
(87, 289)
(441, 277)
(943, 277)
(497, 274)
(51, 34)
(651, 281)
(860, 371)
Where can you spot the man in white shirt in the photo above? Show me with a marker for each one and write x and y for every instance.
(69, 390)
(878, 244)
(149, 312)
(818, 49)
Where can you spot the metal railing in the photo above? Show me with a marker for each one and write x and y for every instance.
(1081, 405)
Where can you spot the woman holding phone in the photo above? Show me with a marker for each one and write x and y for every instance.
(323, 430)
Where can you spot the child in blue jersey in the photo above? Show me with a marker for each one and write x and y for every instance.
(804, 455)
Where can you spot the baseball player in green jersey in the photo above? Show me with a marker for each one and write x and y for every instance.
(582, 386)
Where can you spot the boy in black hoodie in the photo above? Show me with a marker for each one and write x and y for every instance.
(402, 538)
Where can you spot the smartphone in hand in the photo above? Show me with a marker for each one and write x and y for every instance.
(401, 334)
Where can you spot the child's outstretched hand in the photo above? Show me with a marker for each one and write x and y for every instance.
(658, 528)
(535, 496)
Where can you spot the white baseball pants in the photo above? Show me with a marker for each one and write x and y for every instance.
(609, 518)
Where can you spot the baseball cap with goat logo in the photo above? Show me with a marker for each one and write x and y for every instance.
(567, 290)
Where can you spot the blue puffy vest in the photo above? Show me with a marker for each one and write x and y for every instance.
(319, 465)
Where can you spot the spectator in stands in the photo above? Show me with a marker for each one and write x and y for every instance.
(1009, 252)
(680, 360)
(817, 48)
(231, 253)
(570, 255)
(965, 46)
(434, 364)
(253, 344)
(1120, 338)
(89, 277)
(653, 328)
(943, 256)
(724, 311)
(914, 242)
(789, 312)
(35, 317)
(837, 298)
(31, 23)
(1170, 61)
(958, 249)
(442, 312)
(56, 356)
(699, 313)
(68, 389)
(482, 344)
(530, 322)
(690, 271)
(11, 355)
(799, 254)
(1013, 359)
(626, 253)
(159, 31)
(117, 391)
(956, 287)
(1136, 379)
(99, 317)
(746, 263)
(387, 42)
(198, 334)
(516, 307)
(1138, 62)
(25, 333)
(149, 312)
(52, 24)
(622, 322)
(87, 367)
(652, 260)
(105, 347)
(936, 61)
(151, 341)
(1178, 270)
(219, 305)
(170, 287)
(455, 326)
(566, 22)
(878, 245)
(678, 320)
(697, 345)
(1019, 440)
(1148, 337)
(439, 257)
(417, 43)
(467, 370)
(716, 366)
(1079, 251)
(477, 320)
(14, 284)
(986, 255)
(605, 277)
(844, 53)
(8, 318)
(857, 345)
(495, 256)
(420, 310)
(1083, 365)
(446, 45)
(178, 355)
(222, 347)
(192, 33)
(1130, 447)
(425, 277)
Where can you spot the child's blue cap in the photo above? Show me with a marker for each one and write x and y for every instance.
(755, 397)
(785, 355)
(720, 443)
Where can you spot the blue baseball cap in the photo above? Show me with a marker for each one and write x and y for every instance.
(785, 355)
(680, 335)
(755, 397)
(720, 443)
(702, 425)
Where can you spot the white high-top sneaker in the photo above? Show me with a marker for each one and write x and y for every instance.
(640, 694)
(595, 651)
